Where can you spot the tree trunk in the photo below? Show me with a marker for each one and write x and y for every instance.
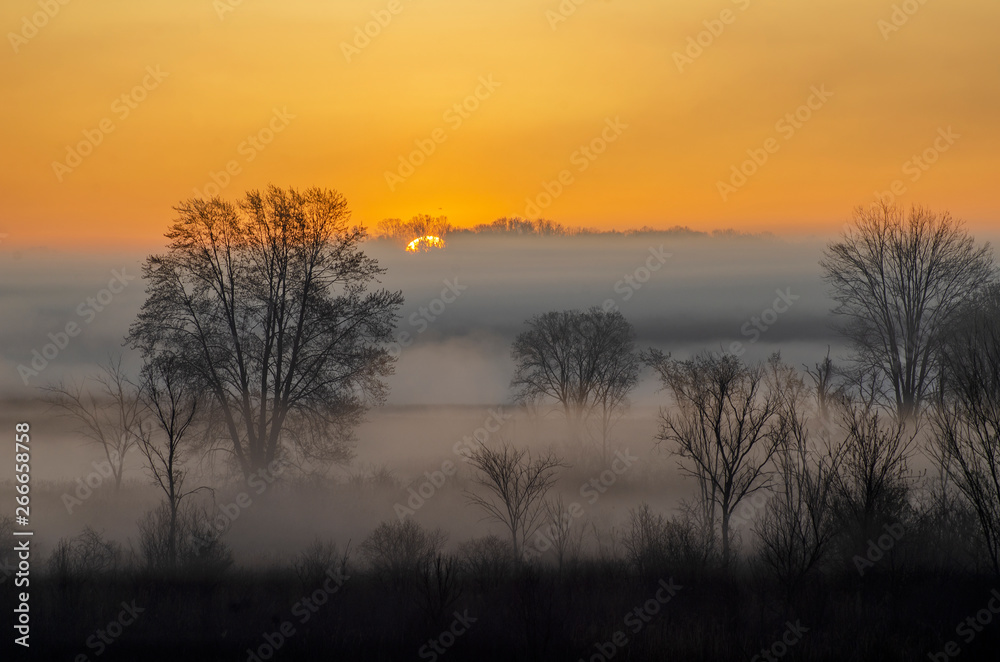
(172, 540)
(725, 539)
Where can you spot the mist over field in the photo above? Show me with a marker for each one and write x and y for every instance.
(702, 296)
(454, 366)
(743, 296)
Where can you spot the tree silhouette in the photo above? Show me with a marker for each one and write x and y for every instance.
(725, 428)
(897, 280)
(796, 526)
(516, 486)
(171, 400)
(968, 419)
(871, 486)
(824, 378)
(267, 304)
(585, 361)
(108, 410)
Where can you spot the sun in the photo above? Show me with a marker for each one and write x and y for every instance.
(424, 244)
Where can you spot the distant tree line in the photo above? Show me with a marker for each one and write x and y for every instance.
(403, 232)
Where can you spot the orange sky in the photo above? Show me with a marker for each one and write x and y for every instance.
(560, 84)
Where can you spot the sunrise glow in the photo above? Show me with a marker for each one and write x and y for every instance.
(612, 115)
(421, 244)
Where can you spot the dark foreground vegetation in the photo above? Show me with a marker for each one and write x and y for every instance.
(501, 613)
(653, 588)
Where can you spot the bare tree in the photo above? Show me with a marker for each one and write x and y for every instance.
(584, 361)
(872, 480)
(439, 585)
(516, 485)
(171, 398)
(399, 551)
(897, 279)
(724, 428)
(824, 378)
(967, 422)
(797, 525)
(655, 544)
(566, 543)
(618, 374)
(268, 303)
(108, 410)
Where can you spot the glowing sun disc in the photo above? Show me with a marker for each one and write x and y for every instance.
(424, 243)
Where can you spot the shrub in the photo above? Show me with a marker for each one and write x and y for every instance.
(313, 562)
(653, 543)
(86, 556)
(489, 560)
(200, 549)
(373, 477)
(397, 551)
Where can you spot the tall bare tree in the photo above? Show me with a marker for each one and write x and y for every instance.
(584, 361)
(724, 428)
(108, 410)
(171, 398)
(897, 279)
(516, 484)
(268, 304)
(968, 420)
